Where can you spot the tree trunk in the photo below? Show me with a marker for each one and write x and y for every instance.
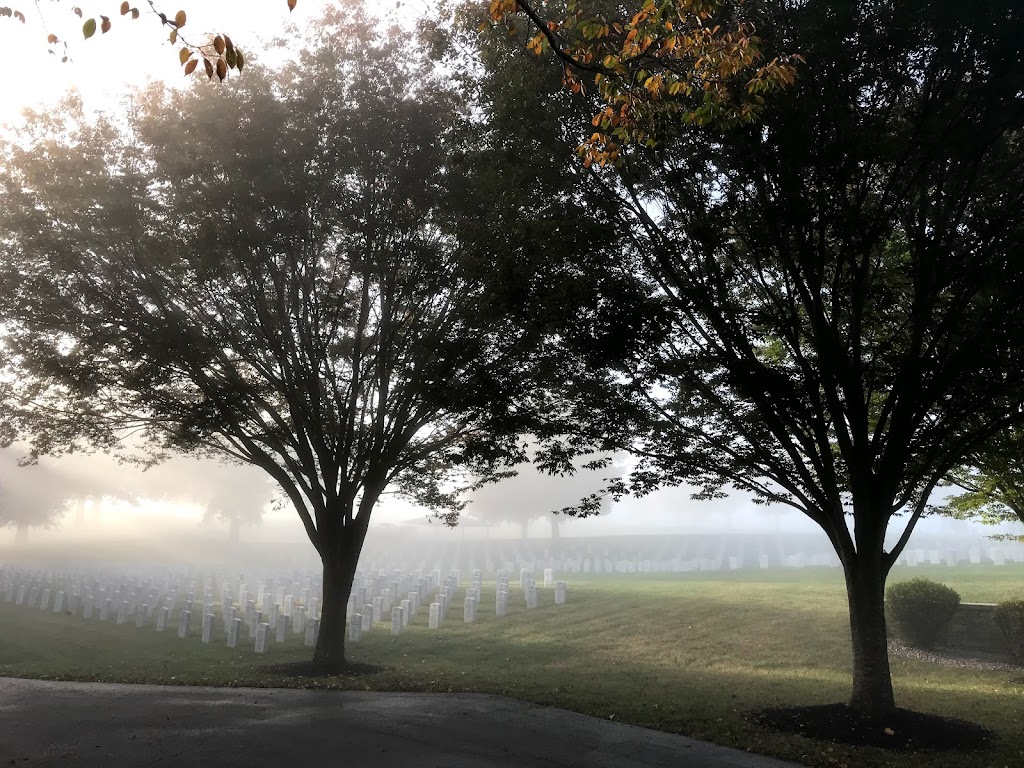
(234, 524)
(524, 527)
(872, 680)
(339, 571)
(554, 526)
(21, 535)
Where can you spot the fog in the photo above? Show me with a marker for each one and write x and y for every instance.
(101, 509)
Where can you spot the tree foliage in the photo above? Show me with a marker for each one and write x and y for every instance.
(991, 483)
(655, 65)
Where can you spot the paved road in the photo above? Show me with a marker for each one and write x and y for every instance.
(113, 726)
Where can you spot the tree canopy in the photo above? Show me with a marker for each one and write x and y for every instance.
(834, 297)
(299, 293)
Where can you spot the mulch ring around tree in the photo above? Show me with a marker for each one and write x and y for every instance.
(900, 730)
(305, 669)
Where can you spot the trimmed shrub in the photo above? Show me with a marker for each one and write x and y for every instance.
(1010, 618)
(920, 610)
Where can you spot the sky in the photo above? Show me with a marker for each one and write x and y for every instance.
(134, 52)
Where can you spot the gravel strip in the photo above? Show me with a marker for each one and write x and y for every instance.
(896, 648)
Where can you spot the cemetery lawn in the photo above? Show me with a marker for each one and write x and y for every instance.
(684, 653)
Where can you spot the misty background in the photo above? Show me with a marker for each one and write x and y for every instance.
(98, 506)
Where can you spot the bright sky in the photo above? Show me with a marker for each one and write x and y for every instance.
(132, 52)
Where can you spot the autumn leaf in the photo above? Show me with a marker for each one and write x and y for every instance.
(184, 54)
(89, 28)
(191, 66)
(291, 5)
(179, 19)
(209, 68)
(239, 60)
(51, 39)
(222, 69)
(105, 25)
(218, 44)
(125, 7)
(77, 11)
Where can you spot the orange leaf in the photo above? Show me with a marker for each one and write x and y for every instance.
(179, 19)
(291, 5)
(184, 55)
(191, 66)
(125, 8)
(51, 38)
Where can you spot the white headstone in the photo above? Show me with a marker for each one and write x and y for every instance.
(469, 611)
(261, 637)
(184, 619)
(434, 621)
(58, 603)
(501, 604)
(208, 619)
(549, 577)
(122, 612)
(140, 616)
(355, 627)
(406, 612)
(234, 629)
(378, 607)
(161, 619)
(281, 631)
(367, 618)
(560, 593)
(312, 630)
(396, 621)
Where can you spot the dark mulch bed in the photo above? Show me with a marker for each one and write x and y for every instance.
(902, 730)
(305, 669)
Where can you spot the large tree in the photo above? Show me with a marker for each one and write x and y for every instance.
(834, 292)
(295, 291)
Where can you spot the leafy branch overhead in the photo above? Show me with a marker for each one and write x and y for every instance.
(669, 63)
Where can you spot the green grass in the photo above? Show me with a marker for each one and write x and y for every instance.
(687, 654)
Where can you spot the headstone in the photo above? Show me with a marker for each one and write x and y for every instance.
(21, 599)
(501, 604)
(406, 612)
(234, 629)
(208, 627)
(257, 619)
(140, 617)
(560, 593)
(355, 627)
(184, 619)
(312, 630)
(58, 603)
(44, 604)
(250, 613)
(549, 577)
(378, 605)
(275, 611)
(469, 611)
(434, 621)
(367, 618)
(289, 600)
(299, 620)
(281, 631)
(524, 576)
(261, 637)
(122, 612)
(396, 621)
(161, 619)
(763, 561)
(88, 608)
(531, 595)
(414, 599)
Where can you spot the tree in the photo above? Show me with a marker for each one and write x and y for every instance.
(293, 293)
(531, 494)
(992, 483)
(834, 293)
(32, 496)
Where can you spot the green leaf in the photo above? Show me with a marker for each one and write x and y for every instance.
(89, 28)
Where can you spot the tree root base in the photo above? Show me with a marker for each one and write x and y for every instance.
(308, 669)
(902, 729)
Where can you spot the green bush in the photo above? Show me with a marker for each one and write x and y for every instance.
(920, 610)
(1010, 618)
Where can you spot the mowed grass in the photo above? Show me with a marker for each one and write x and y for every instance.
(688, 654)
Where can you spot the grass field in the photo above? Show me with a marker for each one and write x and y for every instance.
(687, 654)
